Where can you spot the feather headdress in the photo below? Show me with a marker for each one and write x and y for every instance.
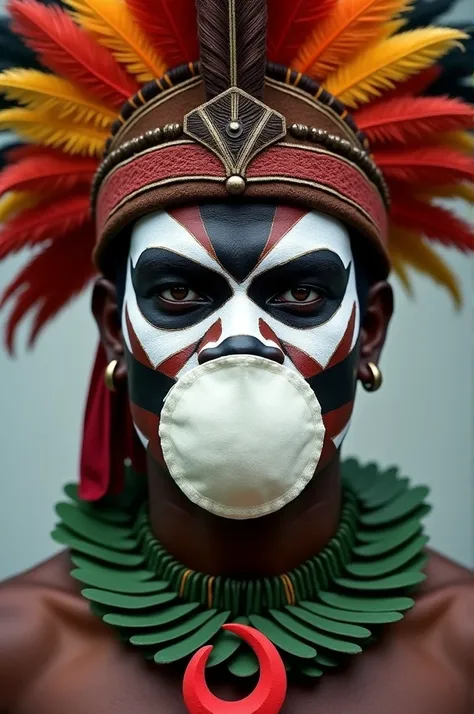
(67, 69)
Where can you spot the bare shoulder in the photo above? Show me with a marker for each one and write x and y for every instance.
(29, 622)
(447, 602)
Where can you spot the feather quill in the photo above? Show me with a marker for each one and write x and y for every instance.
(290, 23)
(115, 28)
(70, 52)
(382, 65)
(38, 90)
(171, 27)
(351, 26)
(51, 172)
(15, 202)
(402, 119)
(425, 166)
(433, 222)
(69, 261)
(410, 249)
(46, 128)
(45, 222)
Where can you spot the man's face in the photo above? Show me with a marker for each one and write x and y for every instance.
(213, 280)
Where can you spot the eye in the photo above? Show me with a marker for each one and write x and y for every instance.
(299, 295)
(179, 294)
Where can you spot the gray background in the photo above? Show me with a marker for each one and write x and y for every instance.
(421, 420)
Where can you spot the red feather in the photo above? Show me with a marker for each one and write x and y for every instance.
(416, 84)
(50, 280)
(432, 221)
(49, 171)
(427, 166)
(171, 26)
(46, 222)
(290, 23)
(70, 52)
(403, 118)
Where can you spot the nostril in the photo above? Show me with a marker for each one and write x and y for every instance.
(241, 345)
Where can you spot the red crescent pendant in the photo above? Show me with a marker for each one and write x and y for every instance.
(268, 695)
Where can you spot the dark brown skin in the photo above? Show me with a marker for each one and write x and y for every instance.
(57, 658)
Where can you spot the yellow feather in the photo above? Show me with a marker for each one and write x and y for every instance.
(400, 270)
(14, 202)
(351, 26)
(463, 191)
(409, 248)
(49, 93)
(382, 65)
(49, 129)
(115, 28)
(460, 140)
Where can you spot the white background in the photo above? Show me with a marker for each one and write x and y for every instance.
(422, 419)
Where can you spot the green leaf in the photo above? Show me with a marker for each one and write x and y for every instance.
(172, 633)
(344, 629)
(95, 530)
(281, 638)
(119, 583)
(317, 638)
(383, 566)
(244, 664)
(365, 618)
(399, 508)
(193, 642)
(65, 537)
(392, 582)
(127, 602)
(366, 604)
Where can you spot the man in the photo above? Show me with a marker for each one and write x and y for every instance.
(241, 236)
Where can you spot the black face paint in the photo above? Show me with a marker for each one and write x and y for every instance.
(238, 233)
(321, 269)
(158, 269)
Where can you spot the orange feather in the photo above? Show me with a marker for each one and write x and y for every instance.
(351, 26)
(171, 26)
(424, 166)
(400, 119)
(70, 52)
(409, 248)
(44, 222)
(431, 221)
(53, 171)
(290, 23)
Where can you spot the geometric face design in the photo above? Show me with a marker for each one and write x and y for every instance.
(210, 280)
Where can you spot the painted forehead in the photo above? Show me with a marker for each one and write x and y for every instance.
(241, 239)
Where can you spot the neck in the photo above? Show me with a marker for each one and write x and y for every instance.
(258, 547)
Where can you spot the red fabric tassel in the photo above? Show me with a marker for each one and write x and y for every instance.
(109, 438)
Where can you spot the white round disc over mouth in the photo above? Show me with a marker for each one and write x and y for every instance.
(241, 435)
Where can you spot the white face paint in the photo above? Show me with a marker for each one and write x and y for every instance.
(205, 283)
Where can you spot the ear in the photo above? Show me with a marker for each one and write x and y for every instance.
(375, 321)
(107, 316)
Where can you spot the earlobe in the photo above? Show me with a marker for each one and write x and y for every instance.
(107, 316)
(374, 326)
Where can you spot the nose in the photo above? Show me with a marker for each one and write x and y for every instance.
(241, 345)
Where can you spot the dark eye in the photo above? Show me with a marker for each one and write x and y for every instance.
(299, 295)
(179, 293)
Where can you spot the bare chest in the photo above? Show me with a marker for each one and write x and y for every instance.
(99, 675)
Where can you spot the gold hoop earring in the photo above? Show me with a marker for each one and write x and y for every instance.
(109, 375)
(377, 378)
